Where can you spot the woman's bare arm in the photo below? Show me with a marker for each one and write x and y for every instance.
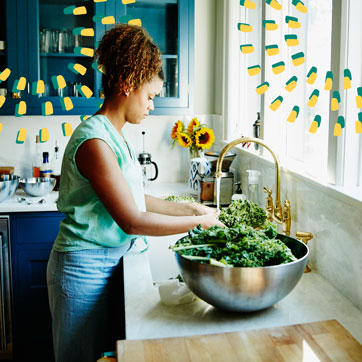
(97, 162)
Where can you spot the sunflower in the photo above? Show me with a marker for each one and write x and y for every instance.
(204, 138)
(184, 139)
(176, 129)
(194, 123)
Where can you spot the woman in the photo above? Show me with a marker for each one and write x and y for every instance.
(102, 197)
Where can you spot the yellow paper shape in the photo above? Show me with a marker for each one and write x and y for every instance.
(289, 87)
(68, 104)
(346, 83)
(313, 127)
(21, 84)
(292, 42)
(334, 104)
(136, 22)
(249, 4)
(275, 5)
(67, 129)
(278, 69)
(293, 24)
(359, 101)
(80, 68)
(80, 10)
(99, 1)
(292, 116)
(1, 127)
(261, 90)
(301, 7)
(312, 101)
(87, 32)
(245, 28)
(275, 105)
(125, 2)
(337, 129)
(254, 71)
(272, 51)
(89, 52)
(2, 100)
(61, 82)
(107, 20)
(358, 126)
(5, 74)
(298, 61)
(48, 108)
(328, 84)
(312, 78)
(44, 135)
(40, 87)
(247, 49)
(271, 26)
(86, 91)
(21, 135)
(22, 108)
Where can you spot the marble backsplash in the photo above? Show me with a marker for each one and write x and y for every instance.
(333, 219)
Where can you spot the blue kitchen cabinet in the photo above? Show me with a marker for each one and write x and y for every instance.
(32, 236)
(30, 23)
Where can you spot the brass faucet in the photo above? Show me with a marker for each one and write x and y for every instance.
(274, 213)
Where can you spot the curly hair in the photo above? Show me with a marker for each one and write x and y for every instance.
(128, 57)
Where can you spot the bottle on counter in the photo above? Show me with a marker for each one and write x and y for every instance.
(37, 158)
(238, 193)
(45, 168)
(56, 166)
(253, 185)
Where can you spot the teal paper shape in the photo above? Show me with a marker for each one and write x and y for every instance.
(125, 19)
(290, 18)
(359, 91)
(347, 73)
(17, 136)
(17, 115)
(278, 64)
(341, 121)
(33, 88)
(292, 79)
(15, 86)
(296, 109)
(360, 116)
(298, 55)
(318, 119)
(337, 96)
(329, 74)
(314, 93)
(77, 31)
(69, 10)
(95, 67)
(265, 22)
(311, 71)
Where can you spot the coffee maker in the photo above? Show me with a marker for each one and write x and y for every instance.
(207, 193)
(147, 164)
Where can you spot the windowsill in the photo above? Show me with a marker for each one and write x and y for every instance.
(351, 197)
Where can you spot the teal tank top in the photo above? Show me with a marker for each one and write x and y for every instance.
(87, 223)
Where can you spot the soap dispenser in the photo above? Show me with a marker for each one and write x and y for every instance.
(253, 185)
(238, 195)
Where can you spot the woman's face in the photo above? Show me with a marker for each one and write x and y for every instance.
(140, 100)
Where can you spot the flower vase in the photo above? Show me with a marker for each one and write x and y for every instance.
(199, 168)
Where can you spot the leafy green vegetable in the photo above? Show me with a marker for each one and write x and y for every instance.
(239, 246)
(184, 199)
(243, 212)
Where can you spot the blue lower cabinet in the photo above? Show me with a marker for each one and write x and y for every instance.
(32, 237)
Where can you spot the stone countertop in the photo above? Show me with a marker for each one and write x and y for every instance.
(13, 205)
(313, 299)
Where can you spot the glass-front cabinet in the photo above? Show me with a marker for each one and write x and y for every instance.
(50, 51)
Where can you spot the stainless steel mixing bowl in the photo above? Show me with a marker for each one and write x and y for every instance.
(245, 289)
(38, 186)
(8, 185)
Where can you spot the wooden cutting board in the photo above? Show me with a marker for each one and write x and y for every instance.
(319, 341)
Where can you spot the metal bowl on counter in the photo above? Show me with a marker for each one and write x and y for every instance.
(245, 289)
(8, 185)
(38, 186)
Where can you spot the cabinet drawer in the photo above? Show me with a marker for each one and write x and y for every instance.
(35, 228)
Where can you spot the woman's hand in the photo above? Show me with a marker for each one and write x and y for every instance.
(211, 219)
(200, 209)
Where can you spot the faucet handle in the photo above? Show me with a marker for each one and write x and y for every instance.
(269, 203)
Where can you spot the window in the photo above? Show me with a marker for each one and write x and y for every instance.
(329, 40)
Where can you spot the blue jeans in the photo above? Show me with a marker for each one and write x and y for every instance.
(86, 301)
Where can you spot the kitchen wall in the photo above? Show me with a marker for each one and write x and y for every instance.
(333, 218)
